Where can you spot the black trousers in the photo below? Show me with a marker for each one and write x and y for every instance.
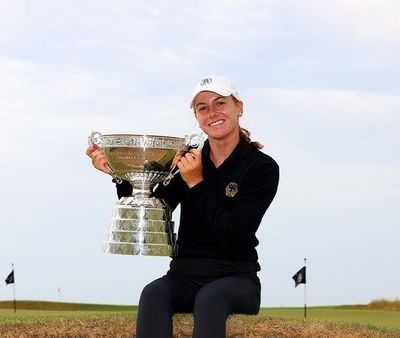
(210, 299)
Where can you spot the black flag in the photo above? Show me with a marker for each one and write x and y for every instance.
(300, 276)
(10, 278)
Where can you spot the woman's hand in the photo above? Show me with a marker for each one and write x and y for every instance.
(99, 160)
(190, 166)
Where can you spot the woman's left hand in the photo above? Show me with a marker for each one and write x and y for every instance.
(191, 168)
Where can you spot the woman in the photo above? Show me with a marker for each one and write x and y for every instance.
(224, 191)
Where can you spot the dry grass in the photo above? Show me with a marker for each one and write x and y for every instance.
(119, 326)
(376, 304)
(384, 304)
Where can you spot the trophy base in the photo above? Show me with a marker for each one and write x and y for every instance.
(141, 226)
(141, 237)
(139, 249)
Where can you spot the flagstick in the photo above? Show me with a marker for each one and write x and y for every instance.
(305, 292)
(15, 303)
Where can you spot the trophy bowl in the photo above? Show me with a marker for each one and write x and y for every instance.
(140, 224)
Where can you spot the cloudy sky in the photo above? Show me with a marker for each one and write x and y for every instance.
(320, 83)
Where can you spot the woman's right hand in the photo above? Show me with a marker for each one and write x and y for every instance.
(99, 160)
(178, 155)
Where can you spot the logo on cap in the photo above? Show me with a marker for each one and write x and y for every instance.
(205, 81)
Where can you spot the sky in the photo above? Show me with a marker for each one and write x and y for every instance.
(320, 86)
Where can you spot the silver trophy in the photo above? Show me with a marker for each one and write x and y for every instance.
(142, 224)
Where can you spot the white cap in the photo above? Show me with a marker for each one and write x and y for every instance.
(216, 84)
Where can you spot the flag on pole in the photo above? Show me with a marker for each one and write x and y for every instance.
(300, 276)
(10, 278)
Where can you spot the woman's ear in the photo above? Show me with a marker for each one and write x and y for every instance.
(239, 105)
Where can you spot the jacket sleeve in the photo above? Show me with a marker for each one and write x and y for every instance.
(124, 189)
(240, 222)
(172, 193)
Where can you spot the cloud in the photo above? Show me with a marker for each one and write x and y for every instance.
(10, 11)
(339, 125)
(367, 20)
(358, 21)
(331, 102)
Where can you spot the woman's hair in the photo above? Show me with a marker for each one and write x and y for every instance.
(246, 134)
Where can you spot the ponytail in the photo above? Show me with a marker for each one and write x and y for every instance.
(246, 134)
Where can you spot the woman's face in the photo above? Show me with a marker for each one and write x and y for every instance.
(218, 116)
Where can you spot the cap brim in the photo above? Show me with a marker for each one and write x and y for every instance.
(219, 91)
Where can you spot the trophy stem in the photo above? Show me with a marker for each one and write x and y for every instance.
(142, 189)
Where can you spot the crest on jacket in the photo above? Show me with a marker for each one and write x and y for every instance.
(231, 189)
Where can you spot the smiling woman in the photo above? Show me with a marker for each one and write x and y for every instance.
(218, 116)
(217, 106)
(224, 191)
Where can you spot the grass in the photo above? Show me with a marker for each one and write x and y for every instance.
(377, 304)
(379, 318)
(60, 306)
(52, 319)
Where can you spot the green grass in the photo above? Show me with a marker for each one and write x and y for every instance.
(60, 306)
(378, 318)
(42, 311)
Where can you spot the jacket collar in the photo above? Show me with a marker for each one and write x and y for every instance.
(241, 148)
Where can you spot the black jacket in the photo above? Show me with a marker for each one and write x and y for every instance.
(220, 216)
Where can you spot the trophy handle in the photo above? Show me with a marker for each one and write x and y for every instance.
(194, 141)
(95, 138)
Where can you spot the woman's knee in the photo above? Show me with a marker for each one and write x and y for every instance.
(229, 295)
(210, 314)
(155, 293)
(155, 306)
(209, 301)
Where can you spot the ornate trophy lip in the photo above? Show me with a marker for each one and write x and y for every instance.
(142, 135)
(136, 140)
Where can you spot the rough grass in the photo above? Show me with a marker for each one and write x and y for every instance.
(376, 304)
(93, 320)
(123, 325)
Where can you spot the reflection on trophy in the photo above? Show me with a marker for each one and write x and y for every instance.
(141, 224)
